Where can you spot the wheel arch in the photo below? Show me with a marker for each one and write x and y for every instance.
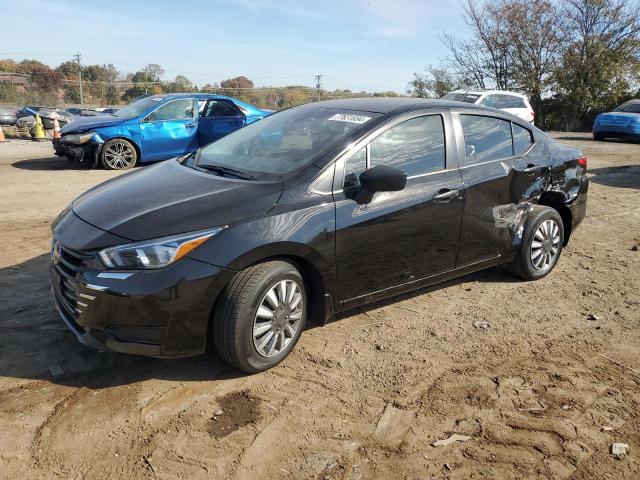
(128, 139)
(555, 200)
(316, 271)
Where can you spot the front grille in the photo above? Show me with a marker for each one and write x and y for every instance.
(68, 266)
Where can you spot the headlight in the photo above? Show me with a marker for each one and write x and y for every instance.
(78, 139)
(154, 253)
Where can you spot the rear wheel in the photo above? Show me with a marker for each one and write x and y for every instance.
(541, 246)
(260, 316)
(118, 154)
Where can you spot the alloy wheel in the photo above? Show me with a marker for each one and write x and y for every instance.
(278, 318)
(545, 245)
(119, 155)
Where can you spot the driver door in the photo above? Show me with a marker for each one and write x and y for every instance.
(404, 236)
(170, 130)
(219, 118)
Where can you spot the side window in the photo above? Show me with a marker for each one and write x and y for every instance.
(218, 108)
(353, 167)
(511, 101)
(490, 101)
(522, 139)
(486, 138)
(180, 109)
(415, 146)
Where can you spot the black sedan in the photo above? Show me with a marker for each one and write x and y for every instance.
(312, 211)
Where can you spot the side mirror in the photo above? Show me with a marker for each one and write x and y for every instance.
(146, 119)
(383, 178)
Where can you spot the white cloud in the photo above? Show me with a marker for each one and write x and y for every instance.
(396, 18)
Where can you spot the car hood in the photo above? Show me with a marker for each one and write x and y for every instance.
(169, 198)
(84, 124)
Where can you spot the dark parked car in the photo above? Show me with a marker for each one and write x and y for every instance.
(8, 116)
(312, 211)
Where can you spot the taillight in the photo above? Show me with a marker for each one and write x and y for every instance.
(582, 162)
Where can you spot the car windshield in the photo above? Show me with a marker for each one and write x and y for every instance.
(139, 107)
(284, 141)
(630, 108)
(462, 97)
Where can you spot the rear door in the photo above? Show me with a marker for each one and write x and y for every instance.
(399, 237)
(170, 130)
(218, 118)
(501, 177)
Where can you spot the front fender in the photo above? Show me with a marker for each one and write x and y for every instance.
(128, 131)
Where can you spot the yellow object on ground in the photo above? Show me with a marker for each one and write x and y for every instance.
(38, 132)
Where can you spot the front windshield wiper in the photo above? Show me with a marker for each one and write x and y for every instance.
(225, 171)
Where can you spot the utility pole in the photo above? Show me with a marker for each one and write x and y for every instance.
(77, 57)
(319, 86)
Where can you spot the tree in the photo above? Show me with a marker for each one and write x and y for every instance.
(237, 82)
(600, 59)
(180, 84)
(535, 31)
(153, 72)
(435, 83)
(484, 58)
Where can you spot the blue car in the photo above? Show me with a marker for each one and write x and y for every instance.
(623, 122)
(154, 128)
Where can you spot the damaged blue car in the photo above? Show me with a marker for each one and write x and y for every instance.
(154, 128)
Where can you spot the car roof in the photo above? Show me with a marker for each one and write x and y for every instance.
(633, 101)
(480, 91)
(386, 105)
(194, 94)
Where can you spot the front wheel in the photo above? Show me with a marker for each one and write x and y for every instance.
(260, 316)
(598, 137)
(118, 154)
(542, 241)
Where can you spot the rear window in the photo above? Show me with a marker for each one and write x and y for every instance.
(462, 97)
(501, 101)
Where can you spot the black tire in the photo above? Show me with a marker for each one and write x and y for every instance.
(118, 146)
(598, 137)
(523, 266)
(236, 310)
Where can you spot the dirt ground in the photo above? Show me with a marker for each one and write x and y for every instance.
(542, 393)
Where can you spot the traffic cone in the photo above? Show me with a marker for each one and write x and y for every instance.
(56, 129)
(38, 132)
(2, 139)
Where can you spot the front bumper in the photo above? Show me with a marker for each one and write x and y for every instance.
(86, 152)
(161, 313)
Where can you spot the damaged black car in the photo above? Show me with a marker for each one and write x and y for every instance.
(310, 212)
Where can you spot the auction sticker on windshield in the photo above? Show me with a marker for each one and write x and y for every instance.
(345, 117)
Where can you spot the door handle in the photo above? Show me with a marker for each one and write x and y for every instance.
(445, 195)
(531, 169)
(190, 125)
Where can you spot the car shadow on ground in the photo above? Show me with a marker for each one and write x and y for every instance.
(37, 345)
(52, 163)
(622, 176)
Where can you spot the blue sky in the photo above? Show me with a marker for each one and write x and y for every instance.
(356, 44)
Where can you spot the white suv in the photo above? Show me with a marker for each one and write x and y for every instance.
(512, 102)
